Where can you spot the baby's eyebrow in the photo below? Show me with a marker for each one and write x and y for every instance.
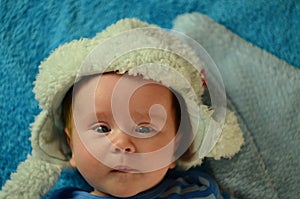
(154, 115)
(103, 114)
(93, 115)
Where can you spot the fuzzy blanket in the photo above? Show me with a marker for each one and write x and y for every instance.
(262, 85)
(265, 92)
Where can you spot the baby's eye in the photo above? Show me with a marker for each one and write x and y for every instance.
(144, 129)
(102, 129)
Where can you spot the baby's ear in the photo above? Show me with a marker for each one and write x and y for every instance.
(72, 161)
(230, 140)
(172, 165)
(68, 134)
(69, 140)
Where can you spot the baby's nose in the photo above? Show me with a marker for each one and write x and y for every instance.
(122, 143)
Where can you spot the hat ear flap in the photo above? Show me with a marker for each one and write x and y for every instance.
(230, 140)
(34, 177)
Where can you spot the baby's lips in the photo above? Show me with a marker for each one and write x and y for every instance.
(125, 169)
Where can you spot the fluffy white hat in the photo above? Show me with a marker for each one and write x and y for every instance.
(136, 48)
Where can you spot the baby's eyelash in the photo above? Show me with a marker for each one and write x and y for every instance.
(101, 128)
(144, 129)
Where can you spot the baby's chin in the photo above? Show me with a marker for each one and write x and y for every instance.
(124, 188)
(121, 192)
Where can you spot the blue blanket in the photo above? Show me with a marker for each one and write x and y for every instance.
(30, 30)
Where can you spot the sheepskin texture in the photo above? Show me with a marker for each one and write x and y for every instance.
(30, 30)
(28, 173)
(269, 102)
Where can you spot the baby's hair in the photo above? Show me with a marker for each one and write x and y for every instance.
(67, 113)
(183, 125)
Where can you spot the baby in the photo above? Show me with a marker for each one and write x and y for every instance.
(118, 134)
(125, 108)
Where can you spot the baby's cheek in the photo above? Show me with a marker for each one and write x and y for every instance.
(165, 146)
(87, 164)
(81, 154)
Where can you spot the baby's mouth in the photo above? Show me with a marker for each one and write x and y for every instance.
(124, 169)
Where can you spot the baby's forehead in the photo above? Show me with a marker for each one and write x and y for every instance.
(118, 82)
(111, 91)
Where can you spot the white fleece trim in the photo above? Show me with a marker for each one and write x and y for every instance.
(33, 179)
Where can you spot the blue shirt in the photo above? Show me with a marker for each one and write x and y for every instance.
(193, 183)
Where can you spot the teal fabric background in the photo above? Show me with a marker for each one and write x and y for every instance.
(31, 29)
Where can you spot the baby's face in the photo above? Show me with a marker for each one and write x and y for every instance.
(123, 133)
